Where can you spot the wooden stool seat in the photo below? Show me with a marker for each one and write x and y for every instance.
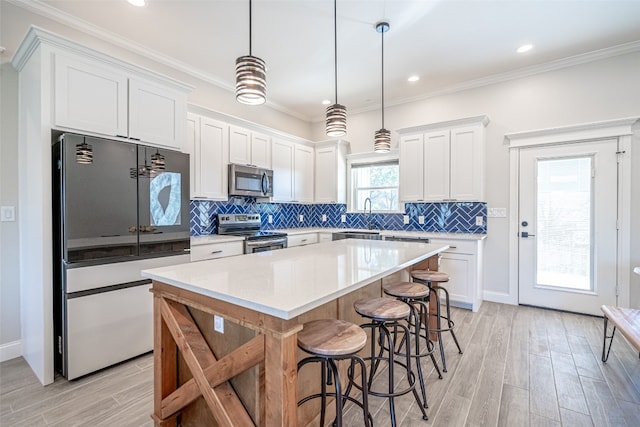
(382, 308)
(406, 290)
(430, 276)
(330, 337)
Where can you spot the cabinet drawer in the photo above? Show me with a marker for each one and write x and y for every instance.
(458, 246)
(302, 239)
(325, 237)
(216, 250)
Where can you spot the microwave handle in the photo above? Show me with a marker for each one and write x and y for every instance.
(265, 183)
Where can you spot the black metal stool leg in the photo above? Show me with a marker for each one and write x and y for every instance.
(605, 357)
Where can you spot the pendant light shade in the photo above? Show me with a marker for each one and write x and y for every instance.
(382, 137)
(336, 113)
(251, 76)
(84, 153)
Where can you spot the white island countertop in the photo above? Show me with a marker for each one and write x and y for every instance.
(289, 282)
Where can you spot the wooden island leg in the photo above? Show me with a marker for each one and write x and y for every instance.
(165, 362)
(280, 379)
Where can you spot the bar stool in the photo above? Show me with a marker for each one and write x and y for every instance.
(416, 296)
(428, 278)
(327, 341)
(386, 314)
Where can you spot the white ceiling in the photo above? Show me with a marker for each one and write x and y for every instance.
(448, 43)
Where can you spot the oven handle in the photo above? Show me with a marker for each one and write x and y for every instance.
(253, 243)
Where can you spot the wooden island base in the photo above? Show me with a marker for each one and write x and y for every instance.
(245, 376)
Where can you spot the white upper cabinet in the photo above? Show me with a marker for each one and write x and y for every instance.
(282, 164)
(249, 148)
(93, 96)
(303, 174)
(292, 165)
(156, 113)
(443, 161)
(207, 144)
(90, 97)
(331, 173)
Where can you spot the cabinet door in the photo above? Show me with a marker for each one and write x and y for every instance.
(282, 163)
(239, 145)
(303, 174)
(326, 175)
(192, 146)
(260, 150)
(436, 165)
(466, 164)
(90, 97)
(156, 114)
(461, 283)
(412, 168)
(213, 162)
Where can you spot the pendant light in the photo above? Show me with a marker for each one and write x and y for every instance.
(382, 137)
(251, 76)
(84, 153)
(336, 113)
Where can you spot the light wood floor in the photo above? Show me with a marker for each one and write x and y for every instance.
(521, 366)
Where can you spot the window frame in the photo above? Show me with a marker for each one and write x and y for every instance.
(371, 158)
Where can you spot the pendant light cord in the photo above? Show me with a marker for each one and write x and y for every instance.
(335, 48)
(382, 67)
(250, 27)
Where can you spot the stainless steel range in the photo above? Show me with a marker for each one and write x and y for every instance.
(248, 226)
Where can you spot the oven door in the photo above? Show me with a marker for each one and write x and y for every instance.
(254, 246)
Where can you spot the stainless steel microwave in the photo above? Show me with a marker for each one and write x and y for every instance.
(250, 181)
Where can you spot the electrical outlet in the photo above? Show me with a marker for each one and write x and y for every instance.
(479, 221)
(497, 212)
(421, 219)
(8, 213)
(405, 219)
(343, 218)
(324, 218)
(218, 324)
(270, 219)
(301, 218)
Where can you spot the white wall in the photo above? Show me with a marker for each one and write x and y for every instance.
(602, 90)
(9, 241)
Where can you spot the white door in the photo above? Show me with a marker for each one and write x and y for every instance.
(568, 235)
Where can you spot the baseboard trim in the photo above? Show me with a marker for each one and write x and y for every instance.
(499, 297)
(10, 350)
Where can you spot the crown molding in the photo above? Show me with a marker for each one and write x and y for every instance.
(47, 11)
(465, 121)
(596, 55)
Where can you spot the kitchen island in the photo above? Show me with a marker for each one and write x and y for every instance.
(248, 376)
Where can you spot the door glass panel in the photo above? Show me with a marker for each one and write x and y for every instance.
(564, 223)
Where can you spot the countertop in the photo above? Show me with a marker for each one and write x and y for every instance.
(292, 281)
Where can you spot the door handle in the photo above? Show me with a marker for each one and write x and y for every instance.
(526, 234)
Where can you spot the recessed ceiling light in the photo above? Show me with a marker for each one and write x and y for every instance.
(138, 3)
(326, 102)
(413, 78)
(524, 48)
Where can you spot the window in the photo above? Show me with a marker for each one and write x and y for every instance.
(376, 180)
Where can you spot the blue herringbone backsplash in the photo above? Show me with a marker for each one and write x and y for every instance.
(439, 217)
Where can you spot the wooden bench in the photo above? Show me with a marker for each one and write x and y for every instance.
(627, 320)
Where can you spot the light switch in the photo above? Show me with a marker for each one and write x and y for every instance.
(324, 218)
(421, 219)
(301, 218)
(497, 212)
(270, 219)
(405, 219)
(343, 218)
(7, 213)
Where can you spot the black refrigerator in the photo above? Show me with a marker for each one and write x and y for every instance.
(118, 208)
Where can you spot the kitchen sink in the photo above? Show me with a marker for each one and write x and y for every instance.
(359, 234)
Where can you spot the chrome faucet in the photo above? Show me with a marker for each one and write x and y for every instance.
(369, 226)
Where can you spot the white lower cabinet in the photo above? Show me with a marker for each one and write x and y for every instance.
(463, 263)
(216, 250)
(302, 239)
(325, 237)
